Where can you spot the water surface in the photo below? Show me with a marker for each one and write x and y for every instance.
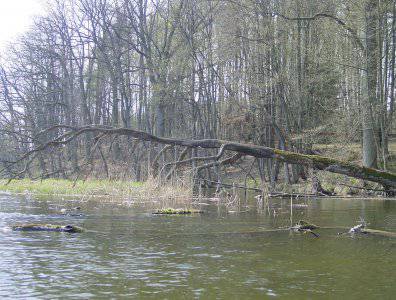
(126, 252)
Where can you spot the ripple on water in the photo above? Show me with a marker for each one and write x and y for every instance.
(131, 254)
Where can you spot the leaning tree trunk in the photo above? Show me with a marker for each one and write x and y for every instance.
(388, 180)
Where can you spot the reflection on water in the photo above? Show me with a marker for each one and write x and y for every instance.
(127, 252)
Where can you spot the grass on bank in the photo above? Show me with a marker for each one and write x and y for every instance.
(160, 197)
(68, 187)
(149, 192)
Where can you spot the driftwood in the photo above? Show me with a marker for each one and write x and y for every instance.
(47, 227)
(379, 232)
(362, 229)
(386, 179)
(293, 195)
(305, 227)
(177, 211)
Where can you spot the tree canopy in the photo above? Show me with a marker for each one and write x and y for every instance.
(286, 75)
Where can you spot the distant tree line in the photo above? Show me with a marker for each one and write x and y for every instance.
(283, 74)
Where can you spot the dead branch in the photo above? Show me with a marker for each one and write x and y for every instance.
(202, 158)
(227, 161)
(181, 157)
(155, 164)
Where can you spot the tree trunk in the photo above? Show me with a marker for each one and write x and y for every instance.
(369, 151)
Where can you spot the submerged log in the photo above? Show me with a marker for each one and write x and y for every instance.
(386, 179)
(305, 227)
(361, 229)
(47, 227)
(177, 211)
(379, 232)
(293, 195)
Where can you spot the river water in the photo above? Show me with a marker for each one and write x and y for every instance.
(126, 252)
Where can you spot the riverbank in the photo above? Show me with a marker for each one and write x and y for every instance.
(179, 195)
(114, 189)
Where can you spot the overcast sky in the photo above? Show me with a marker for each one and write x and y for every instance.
(16, 17)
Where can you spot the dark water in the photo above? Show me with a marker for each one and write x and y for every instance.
(129, 253)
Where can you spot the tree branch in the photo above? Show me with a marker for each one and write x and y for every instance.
(327, 16)
(318, 162)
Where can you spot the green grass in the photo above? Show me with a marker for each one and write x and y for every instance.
(68, 187)
(148, 192)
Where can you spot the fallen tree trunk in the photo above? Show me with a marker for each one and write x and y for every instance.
(379, 232)
(386, 179)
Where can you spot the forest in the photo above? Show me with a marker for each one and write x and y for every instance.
(134, 89)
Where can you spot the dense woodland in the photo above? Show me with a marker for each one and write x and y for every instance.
(286, 74)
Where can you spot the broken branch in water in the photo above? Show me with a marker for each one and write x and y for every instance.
(361, 229)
